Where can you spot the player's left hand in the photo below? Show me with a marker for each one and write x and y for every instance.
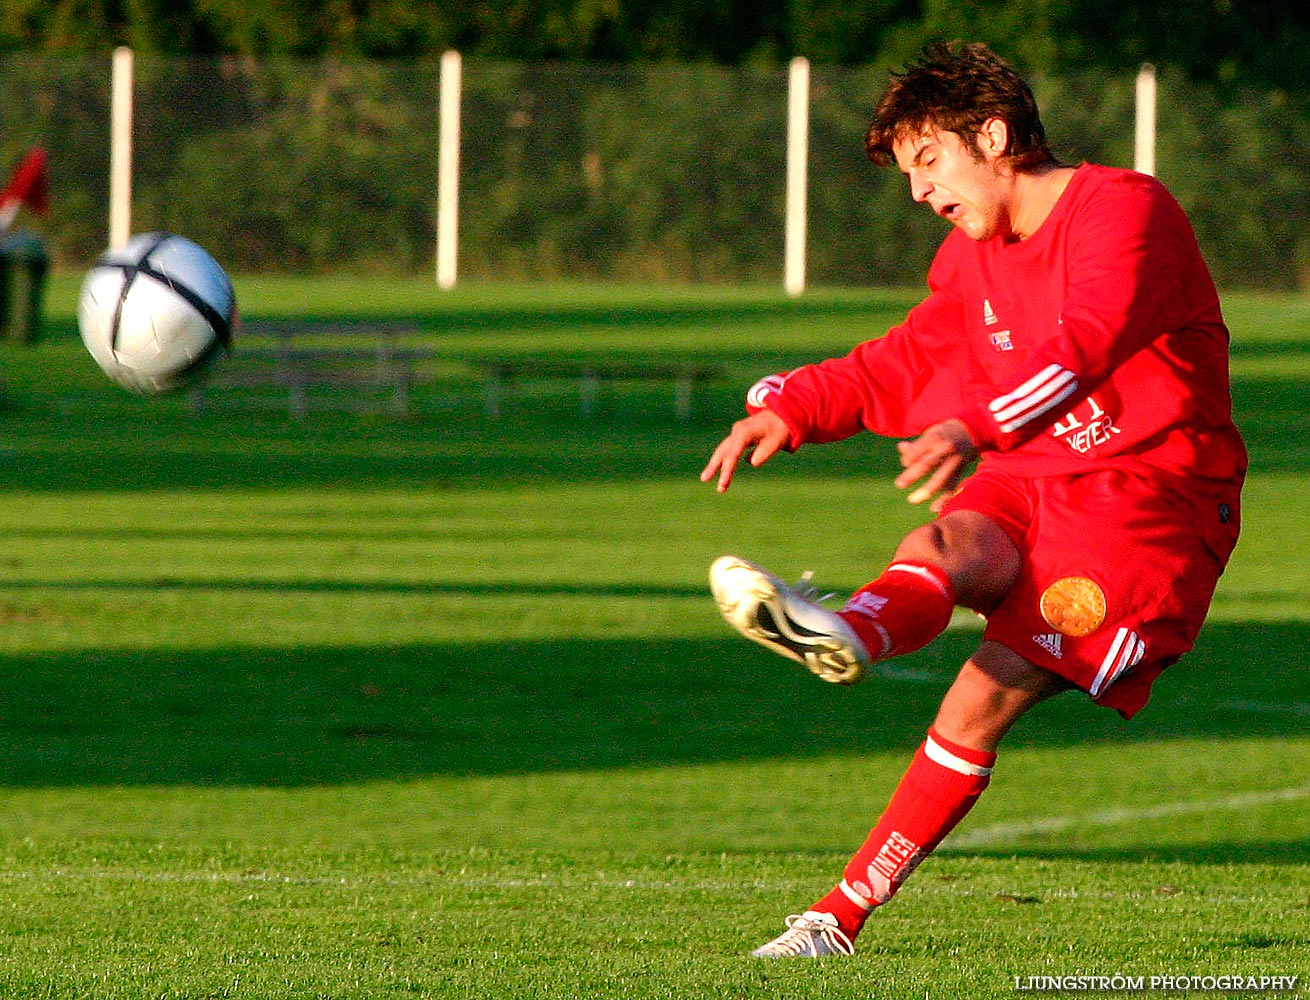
(762, 434)
(938, 459)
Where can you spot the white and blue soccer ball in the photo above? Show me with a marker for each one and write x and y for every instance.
(156, 313)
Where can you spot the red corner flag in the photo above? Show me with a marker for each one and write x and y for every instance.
(29, 187)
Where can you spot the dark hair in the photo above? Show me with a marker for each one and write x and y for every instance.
(958, 88)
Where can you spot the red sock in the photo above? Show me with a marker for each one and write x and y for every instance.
(940, 787)
(901, 611)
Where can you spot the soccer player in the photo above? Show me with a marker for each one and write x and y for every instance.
(1072, 343)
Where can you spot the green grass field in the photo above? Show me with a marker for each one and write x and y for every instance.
(366, 707)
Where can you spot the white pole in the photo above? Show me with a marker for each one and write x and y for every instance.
(798, 153)
(1144, 154)
(448, 171)
(120, 150)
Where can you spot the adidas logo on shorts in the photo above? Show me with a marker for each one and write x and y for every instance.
(1051, 643)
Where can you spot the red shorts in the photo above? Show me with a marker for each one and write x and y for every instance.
(1117, 573)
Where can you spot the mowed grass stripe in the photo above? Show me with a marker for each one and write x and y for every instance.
(358, 707)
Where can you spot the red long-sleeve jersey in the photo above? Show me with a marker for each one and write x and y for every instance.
(1097, 342)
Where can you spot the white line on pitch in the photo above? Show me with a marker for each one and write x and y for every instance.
(1001, 832)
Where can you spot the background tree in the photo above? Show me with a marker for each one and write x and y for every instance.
(1256, 42)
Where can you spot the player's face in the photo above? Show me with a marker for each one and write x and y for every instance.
(964, 188)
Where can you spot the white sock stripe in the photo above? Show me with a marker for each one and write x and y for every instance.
(922, 572)
(854, 896)
(938, 754)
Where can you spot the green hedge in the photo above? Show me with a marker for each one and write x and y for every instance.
(649, 173)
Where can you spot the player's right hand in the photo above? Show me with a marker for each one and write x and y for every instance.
(938, 459)
(763, 434)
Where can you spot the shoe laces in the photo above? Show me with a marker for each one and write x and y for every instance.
(801, 932)
(807, 591)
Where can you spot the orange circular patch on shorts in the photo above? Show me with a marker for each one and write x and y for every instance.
(1074, 606)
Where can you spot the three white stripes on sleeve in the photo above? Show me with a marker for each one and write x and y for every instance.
(1041, 393)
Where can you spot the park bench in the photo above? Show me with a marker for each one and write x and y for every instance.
(365, 366)
(591, 376)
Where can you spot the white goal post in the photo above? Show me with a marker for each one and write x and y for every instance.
(1144, 141)
(798, 156)
(120, 148)
(448, 171)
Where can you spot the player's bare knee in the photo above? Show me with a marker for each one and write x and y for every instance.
(926, 543)
(977, 555)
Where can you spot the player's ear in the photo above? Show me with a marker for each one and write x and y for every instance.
(994, 137)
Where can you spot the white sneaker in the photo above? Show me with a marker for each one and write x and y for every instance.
(809, 935)
(788, 620)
